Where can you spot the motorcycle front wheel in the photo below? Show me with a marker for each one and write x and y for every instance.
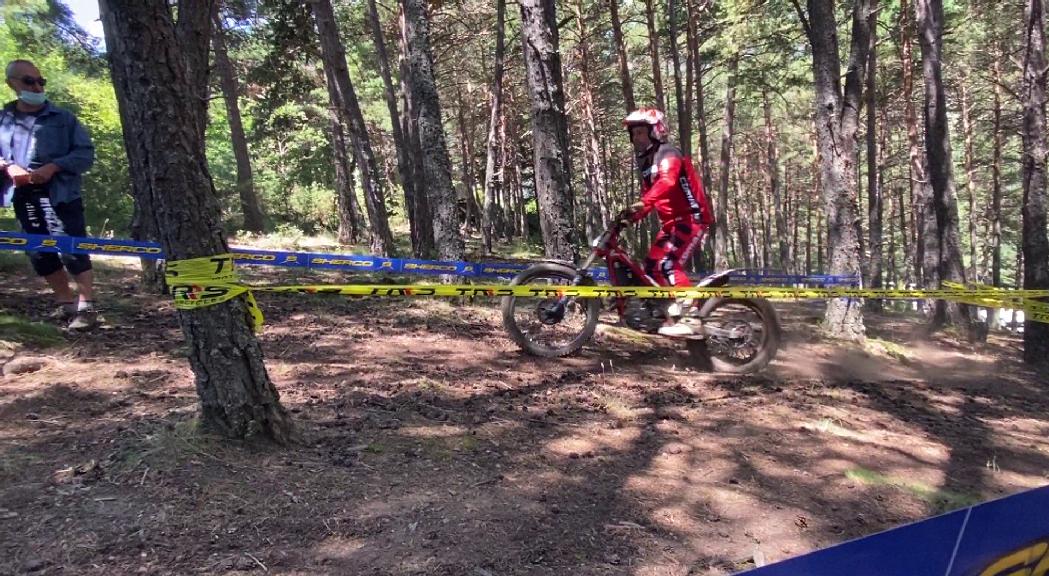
(742, 336)
(549, 326)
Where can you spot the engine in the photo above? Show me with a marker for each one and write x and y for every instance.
(644, 315)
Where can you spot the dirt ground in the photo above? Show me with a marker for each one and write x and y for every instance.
(434, 447)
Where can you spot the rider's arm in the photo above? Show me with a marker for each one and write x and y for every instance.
(668, 167)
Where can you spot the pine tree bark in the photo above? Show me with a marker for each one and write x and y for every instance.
(837, 120)
(625, 82)
(415, 212)
(653, 51)
(494, 173)
(923, 232)
(410, 129)
(1035, 151)
(254, 221)
(970, 178)
(426, 113)
(775, 186)
(334, 58)
(725, 169)
(996, 181)
(701, 111)
(155, 89)
(350, 219)
(191, 32)
(941, 174)
(466, 154)
(593, 169)
(874, 192)
(682, 101)
(549, 127)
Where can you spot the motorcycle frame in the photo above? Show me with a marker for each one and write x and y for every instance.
(607, 247)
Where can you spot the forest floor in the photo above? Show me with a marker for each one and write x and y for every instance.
(434, 447)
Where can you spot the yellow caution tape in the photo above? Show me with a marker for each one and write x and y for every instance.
(200, 282)
(207, 281)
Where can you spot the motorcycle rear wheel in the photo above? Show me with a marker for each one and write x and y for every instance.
(751, 343)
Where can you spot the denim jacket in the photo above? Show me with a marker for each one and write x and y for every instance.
(57, 137)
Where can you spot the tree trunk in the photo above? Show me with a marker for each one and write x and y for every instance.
(996, 181)
(682, 101)
(415, 213)
(941, 176)
(345, 190)
(410, 130)
(621, 57)
(466, 154)
(701, 112)
(143, 221)
(924, 238)
(970, 177)
(493, 173)
(724, 171)
(249, 201)
(549, 127)
(653, 50)
(193, 35)
(874, 191)
(155, 88)
(837, 119)
(334, 57)
(593, 170)
(782, 234)
(1035, 242)
(426, 112)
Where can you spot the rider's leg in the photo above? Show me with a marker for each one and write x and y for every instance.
(673, 247)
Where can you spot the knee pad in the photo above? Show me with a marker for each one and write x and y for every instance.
(44, 263)
(76, 263)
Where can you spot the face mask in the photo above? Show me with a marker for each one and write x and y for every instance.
(32, 98)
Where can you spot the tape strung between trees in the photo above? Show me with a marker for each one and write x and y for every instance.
(202, 282)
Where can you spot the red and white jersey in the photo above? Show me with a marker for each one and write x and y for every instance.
(671, 187)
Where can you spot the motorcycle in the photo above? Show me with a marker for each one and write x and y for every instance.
(737, 335)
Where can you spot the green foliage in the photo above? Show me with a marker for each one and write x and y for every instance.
(22, 331)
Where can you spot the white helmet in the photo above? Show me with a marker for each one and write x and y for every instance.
(651, 117)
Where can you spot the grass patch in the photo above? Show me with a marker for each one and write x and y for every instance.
(940, 500)
(832, 426)
(891, 349)
(618, 408)
(170, 446)
(12, 464)
(12, 262)
(22, 331)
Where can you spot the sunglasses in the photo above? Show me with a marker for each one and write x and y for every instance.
(30, 81)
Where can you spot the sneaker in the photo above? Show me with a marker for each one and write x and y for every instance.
(682, 329)
(64, 312)
(84, 320)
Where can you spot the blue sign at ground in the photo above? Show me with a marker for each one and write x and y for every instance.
(1007, 537)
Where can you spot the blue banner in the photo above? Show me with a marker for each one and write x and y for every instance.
(1006, 537)
(359, 263)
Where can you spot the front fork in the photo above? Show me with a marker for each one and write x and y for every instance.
(581, 277)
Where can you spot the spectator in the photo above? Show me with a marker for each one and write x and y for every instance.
(43, 152)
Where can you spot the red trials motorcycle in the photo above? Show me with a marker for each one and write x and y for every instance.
(738, 335)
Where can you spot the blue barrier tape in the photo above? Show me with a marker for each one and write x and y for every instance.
(353, 262)
(1006, 537)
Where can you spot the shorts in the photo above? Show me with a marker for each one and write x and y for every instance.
(37, 215)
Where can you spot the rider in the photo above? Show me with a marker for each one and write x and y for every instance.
(671, 187)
